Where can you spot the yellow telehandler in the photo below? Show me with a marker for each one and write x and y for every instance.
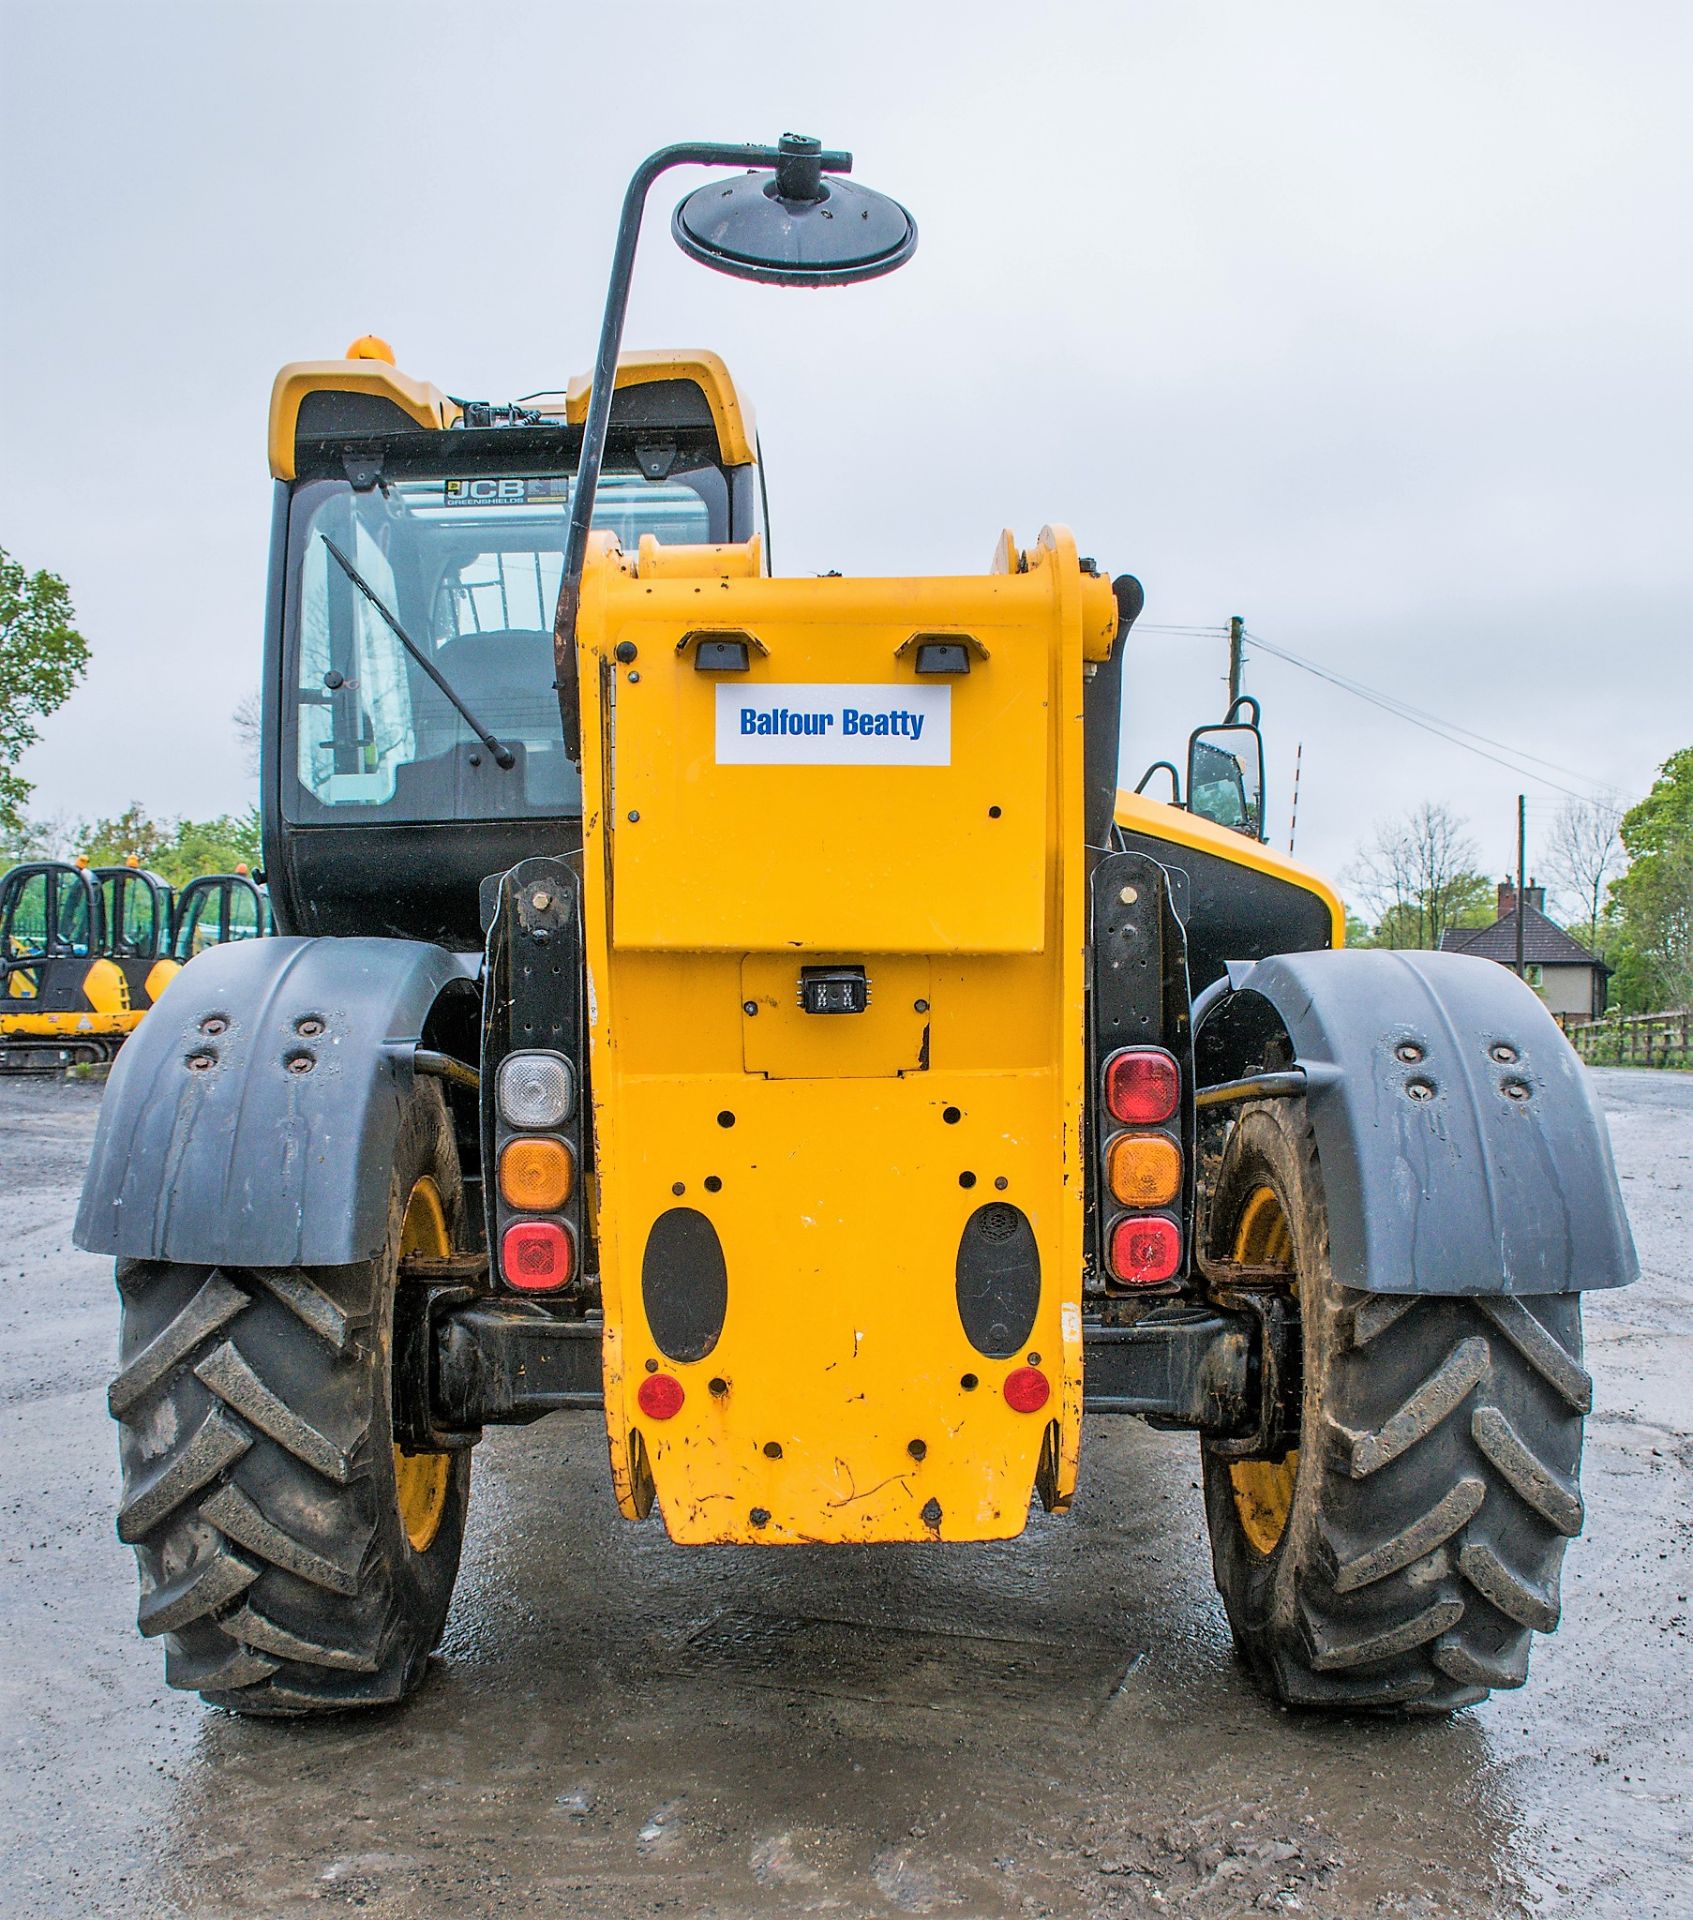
(745, 1009)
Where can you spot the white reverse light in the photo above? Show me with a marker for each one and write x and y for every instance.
(535, 1089)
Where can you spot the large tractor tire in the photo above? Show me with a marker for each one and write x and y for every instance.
(1405, 1554)
(292, 1558)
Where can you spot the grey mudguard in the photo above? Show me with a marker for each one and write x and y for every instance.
(1499, 1180)
(229, 1137)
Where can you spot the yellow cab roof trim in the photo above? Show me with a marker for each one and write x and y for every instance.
(427, 405)
(730, 415)
(430, 407)
(1160, 821)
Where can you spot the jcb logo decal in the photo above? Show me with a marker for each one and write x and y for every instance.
(485, 493)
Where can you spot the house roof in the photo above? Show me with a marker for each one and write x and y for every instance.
(1544, 945)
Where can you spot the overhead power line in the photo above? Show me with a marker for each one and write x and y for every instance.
(1448, 730)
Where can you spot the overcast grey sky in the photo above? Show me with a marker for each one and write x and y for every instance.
(1368, 322)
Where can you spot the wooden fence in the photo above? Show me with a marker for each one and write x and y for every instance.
(1636, 1040)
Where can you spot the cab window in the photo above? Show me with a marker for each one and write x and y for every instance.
(199, 923)
(26, 918)
(470, 570)
(132, 913)
(244, 915)
(72, 919)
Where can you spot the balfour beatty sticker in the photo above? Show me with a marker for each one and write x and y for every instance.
(833, 726)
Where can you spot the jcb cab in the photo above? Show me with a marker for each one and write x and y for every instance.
(782, 1037)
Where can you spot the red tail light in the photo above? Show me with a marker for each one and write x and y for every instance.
(660, 1396)
(1142, 1086)
(1026, 1390)
(1145, 1252)
(537, 1256)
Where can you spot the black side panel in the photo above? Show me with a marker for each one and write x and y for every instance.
(1139, 997)
(251, 1117)
(532, 1001)
(1235, 913)
(330, 416)
(657, 404)
(58, 988)
(409, 882)
(998, 1279)
(684, 1284)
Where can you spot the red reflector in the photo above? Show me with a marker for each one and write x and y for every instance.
(1026, 1390)
(1142, 1086)
(1143, 1252)
(537, 1256)
(660, 1396)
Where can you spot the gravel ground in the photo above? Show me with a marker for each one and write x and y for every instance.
(1052, 1726)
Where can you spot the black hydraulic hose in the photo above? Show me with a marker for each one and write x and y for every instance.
(442, 1066)
(1287, 1085)
(503, 755)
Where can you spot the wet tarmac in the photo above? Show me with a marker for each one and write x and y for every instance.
(1054, 1726)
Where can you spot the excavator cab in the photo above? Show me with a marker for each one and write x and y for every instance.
(217, 908)
(137, 908)
(64, 1000)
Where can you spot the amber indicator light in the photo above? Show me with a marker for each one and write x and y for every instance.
(536, 1175)
(1144, 1170)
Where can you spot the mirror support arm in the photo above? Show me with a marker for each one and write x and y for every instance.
(600, 395)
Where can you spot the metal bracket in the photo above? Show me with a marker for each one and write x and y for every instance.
(510, 1361)
(1278, 1380)
(428, 1288)
(1178, 1366)
(718, 644)
(962, 643)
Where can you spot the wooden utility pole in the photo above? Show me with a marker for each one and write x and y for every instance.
(1522, 850)
(1237, 655)
(1293, 820)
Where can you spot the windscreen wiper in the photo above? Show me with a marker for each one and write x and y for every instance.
(503, 755)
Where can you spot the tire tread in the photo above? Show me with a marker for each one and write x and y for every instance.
(1423, 1555)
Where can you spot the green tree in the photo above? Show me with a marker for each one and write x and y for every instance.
(34, 840)
(215, 846)
(1359, 932)
(42, 657)
(134, 834)
(1584, 851)
(176, 850)
(1418, 876)
(1653, 901)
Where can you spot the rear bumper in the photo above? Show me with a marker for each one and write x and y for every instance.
(497, 1363)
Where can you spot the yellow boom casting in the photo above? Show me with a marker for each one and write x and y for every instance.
(837, 1160)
